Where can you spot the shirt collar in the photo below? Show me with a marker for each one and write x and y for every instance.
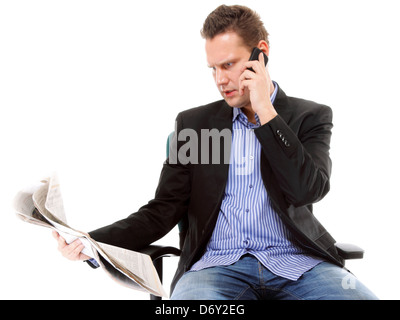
(237, 111)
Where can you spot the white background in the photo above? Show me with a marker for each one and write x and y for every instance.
(90, 89)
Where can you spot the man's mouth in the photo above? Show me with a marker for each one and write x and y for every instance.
(229, 93)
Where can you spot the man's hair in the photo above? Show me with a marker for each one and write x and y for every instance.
(240, 19)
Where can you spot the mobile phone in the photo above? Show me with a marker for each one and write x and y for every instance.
(255, 54)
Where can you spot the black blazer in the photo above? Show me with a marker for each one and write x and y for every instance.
(295, 167)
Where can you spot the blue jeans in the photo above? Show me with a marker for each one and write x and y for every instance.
(248, 279)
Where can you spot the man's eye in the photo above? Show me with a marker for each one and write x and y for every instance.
(228, 65)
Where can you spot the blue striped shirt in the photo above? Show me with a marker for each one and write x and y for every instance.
(247, 223)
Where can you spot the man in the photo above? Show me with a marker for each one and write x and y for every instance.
(251, 233)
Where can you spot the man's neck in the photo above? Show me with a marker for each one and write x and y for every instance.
(249, 113)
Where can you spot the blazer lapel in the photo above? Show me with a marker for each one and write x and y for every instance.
(222, 118)
(220, 121)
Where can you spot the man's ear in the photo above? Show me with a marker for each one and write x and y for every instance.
(263, 46)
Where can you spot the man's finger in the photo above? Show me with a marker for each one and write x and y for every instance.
(70, 248)
(76, 252)
(71, 251)
(261, 58)
(55, 234)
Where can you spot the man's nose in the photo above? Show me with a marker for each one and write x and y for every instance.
(220, 77)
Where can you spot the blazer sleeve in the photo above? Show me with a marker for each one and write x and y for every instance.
(299, 155)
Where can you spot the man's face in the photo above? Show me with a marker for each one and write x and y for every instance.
(226, 55)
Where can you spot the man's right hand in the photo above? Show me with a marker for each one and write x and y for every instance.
(72, 251)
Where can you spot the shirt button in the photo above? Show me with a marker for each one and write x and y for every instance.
(250, 186)
(247, 210)
(251, 157)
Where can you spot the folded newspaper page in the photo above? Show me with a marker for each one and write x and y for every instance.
(42, 205)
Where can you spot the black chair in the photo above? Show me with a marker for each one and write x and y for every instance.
(157, 253)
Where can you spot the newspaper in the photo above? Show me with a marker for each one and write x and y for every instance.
(42, 205)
